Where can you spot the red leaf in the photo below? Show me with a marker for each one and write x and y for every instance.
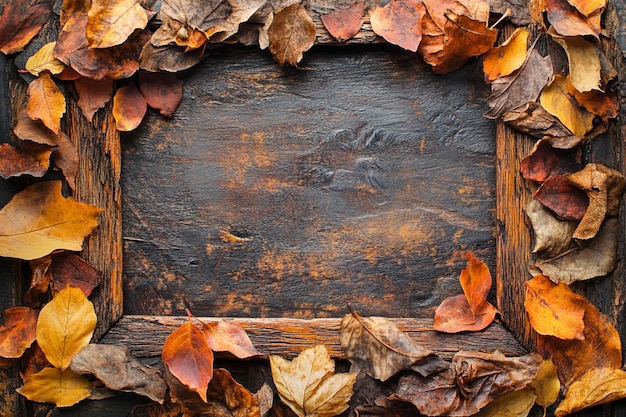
(455, 315)
(20, 22)
(129, 108)
(564, 199)
(18, 331)
(162, 91)
(344, 24)
(400, 23)
(71, 269)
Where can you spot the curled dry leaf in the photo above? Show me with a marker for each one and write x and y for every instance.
(508, 57)
(603, 104)
(118, 370)
(291, 33)
(265, 398)
(557, 100)
(93, 94)
(399, 22)
(514, 404)
(40, 280)
(43, 60)
(584, 63)
(20, 21)
(161, 90)
(111, 22)
(545, 161)
(378, 347)
(546, 385)
(588, 7)
(46, 102)
(475, 281)
(552, 236)
(553, 309)
(229, 337)
(62, 388)
(534, 120)
(18, 331)
(169, 58)
(567, 21)
(343, 24)
(15, 162)
(129, 108)
(309, 386)
(597, 386)
(564, 199)
(39, 220)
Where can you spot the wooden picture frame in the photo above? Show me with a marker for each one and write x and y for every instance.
(98, 183)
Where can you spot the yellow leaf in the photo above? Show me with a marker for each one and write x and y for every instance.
(597, 386)
(546, 385)
(43, 60)
(557, 101)
(39, 220)
(309, 386)
(584, 63)
(65, 326)
(513, 404)
(508, 57)
(46, 102)
(52, 385)
(111, 22)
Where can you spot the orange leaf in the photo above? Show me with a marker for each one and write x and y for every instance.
(20, 22)
(111, 22)
(588, 7)
(596, 387)
(46, 102)
(400, 23)
(476, 282)
(508, 57)
(291, 33)
(15, 162)
(553, 309)
(344, 24)
(129, 108)
(93, 94)
(189, 358)
(18, 331)
(162, 91)
(455, 315)
(567, 21)
(229, 337)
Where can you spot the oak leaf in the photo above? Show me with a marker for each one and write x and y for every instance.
(291, 33)
(399, 22)
(553, 309)
(65, 326)
(229, 337)
(562, 197)
(68, 268)
(508, 57)
(584, 63)
(343, 24)
(93, 94)
(39, 220)
(46, 102)
(43, 60)
(597, 386)
(20, 21)
(129, 108)
(309, 386)
(15, 162)
(63, 388)
(189, 358)
(161, 90)
(18, 331)
(118, 370)
(552, 236)
(514, 404)
(376, 346)
(546, 385)
(111, 22)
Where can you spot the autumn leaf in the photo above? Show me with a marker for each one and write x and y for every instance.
(43, 60)
(265, 399)
(567, 21)
(534, 120)
(343, 24)
(68, 268)
(553, 309)
(129, 108)
(514, 404)
(169, 58)
(189, 358)
(552, 236)
(545, 161)
(508, 57)
(93, 95)
(20, 21)
(18, 331)
(399, 22)
(46, 102)
(584, 63)
(291, 33)
(546, 385)
(227, 397)
(111, 22)
(63, 388)
(557, 100)
(39, 220)
(376, 346)
(118, 370)
(65, 326)
(603, 104)
(597, 386)
(229, 337)
(161, 90)
(563, 198)
(15, 162)
(40, 280)
(475, 281)
(454, 315)
(309, 386)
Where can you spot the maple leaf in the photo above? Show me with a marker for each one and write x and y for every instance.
(129, 108)
(15, 162)
(68, 268)
(43, 60)
(63, 388)
(597, 386)
(344, 24)
(20, 21)
(399, 22)
(565, 200)
(39, 220)
(93, 94)
(161, 90)
(291, 33)
(46, 102)
(18, 331)
(552, 235)
(65, 325)
(111, 22)
(308, 384)
(508, 57)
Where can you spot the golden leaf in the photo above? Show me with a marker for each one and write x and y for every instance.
(513, 404)
(584, 62)
(595, 387)
(43, 60)
(508, 57)
(546, 385)
(52, 385)
(46, 102)
(111, 22)
(557, 101)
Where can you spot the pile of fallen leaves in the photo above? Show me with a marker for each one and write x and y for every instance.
(128, 52)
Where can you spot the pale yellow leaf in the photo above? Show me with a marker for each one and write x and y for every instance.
(52, 385)
(508, 57)
(513, 404)
(546, 384)
(584, 62)
(43, 60)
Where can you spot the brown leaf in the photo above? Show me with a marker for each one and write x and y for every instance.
(46, 102)
(15, 162)
(597, 386)
(587, 7)
(508, 57)
(229, 337)
(603, 104)
(564, 199)
(162, 91)
(475, 281)
(62, 388)
(553, 309)
(118, 370)
(18, 331)
(377, 347)
(169, 58)
(399, 22)
(473, 380)
(20, 22)
(514, 404)
(534, 120)
(596, 258)
(454, 315)
(226, 397)
(40, 280)
(189, 358)
(518, 10)
(265, 398)
(71, 269)
(43, 60)
(601, 348)
(546, 385)
(129, 108)
(39, 220)
(545, 161)
(111, 22)
(552, 235)
(343, 24)
(567, 21)
(93, 95)
(291, 33)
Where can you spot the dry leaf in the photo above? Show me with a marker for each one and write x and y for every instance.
(15, 162)
(343, 24)
(40, 281)
(545, 161)
(603, 104)
(475, 281)
(553, 309)
(291, 33)
(514, 404)
(455, 315)
(169, 58)
(20, 22)
(564, 199)
(43, 60)
(552, 235)
(534, 120)
(93, 95)
(399, 22)
(52, 385)
(229, 337)
(161, 90)
(377, 347)
(39, 220)
(546, 385)
(557, 100)
(111, 22)
(226, 397)
(68, 268)
(588, 7)
(189, 358)
(584, 63)
(65, 326)
(597, 386)
(46, 102)
(129, 108)
(309, 386)
(567, 21)
(118, 370)
(265, 398)
(508, 57)
(18, 331)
